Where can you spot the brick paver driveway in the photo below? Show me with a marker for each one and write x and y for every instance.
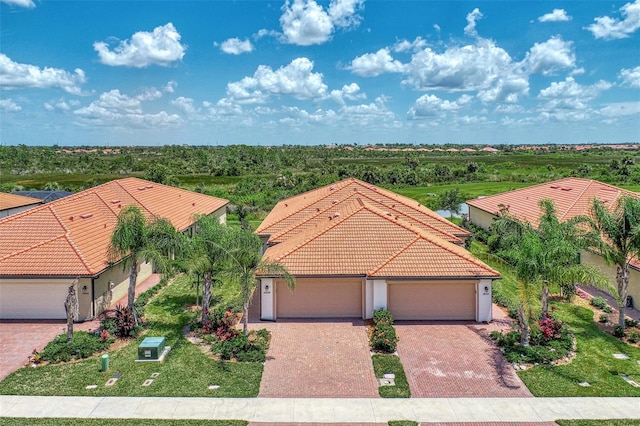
(19, 338)
(318, 358)
(455, 359)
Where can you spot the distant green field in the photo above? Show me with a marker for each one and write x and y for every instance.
(470, 190)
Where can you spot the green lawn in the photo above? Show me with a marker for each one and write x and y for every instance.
(185, 372)
(383, 364)
(470, 190)
(594, 362)
(617, 422)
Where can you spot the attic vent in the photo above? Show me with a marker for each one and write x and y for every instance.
(149, 186)
(393, 205)
(317, 209)
(336, 214)
(114, 201)
(565, 189)
(86, 215)
(331, 188)
(554, 187)
(286, 205)
(142, 188)
(333, 202)
(193, 204)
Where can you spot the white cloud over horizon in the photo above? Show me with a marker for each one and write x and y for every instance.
(14, 75)
(160, 47)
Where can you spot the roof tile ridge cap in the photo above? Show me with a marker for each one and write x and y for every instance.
(78, 252)
(409, 202)
(304, 206)
(420, 221)
(306, 219)
(41, 243)
(457, 250)
(118, 182)
(393, 256)
(578, 198)
(321, 232)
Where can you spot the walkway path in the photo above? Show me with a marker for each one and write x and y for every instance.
(335, 410)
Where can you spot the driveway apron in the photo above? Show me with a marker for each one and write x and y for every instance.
(318, 359)
(454, 360)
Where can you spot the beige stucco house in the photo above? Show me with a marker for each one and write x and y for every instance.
(45, 249)
(355, 248)
(571, 197)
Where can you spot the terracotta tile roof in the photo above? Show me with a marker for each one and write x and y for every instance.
(70, 236)
(346, 245)
(291, 212)
(11, 201)
(571, 196)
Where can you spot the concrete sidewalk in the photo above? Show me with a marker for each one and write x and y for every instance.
(333, 410)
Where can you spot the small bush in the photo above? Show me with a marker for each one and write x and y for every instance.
(599, 302)
(382, 315)
(384, 338)
(120, 322)
(607, 309)
(220, 322)
(633, 336)
(603, 318)
(628, 322)
(83, 345)
(251, 348)
(493, 243)
(618, 331)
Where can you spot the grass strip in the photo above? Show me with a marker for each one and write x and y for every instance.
(21, 421)
(384, 364)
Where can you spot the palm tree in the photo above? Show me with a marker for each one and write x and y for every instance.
(134, 240)
(207, 254)
(244, 261)
(545, 255)
(620, 242)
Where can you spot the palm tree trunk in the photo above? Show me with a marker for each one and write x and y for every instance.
(245, 318)
(622, 279)
(545, 300)
(524, 326)
(206, 293)
(131, 294)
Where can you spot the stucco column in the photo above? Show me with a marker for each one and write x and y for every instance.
(484, 305)
(267, 299)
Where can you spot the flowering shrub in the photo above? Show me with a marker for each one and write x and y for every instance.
(220, 322)
(383, 335)
(119, 321)
(104, 335)
(251, 348)
(35, 357)
(550, 328)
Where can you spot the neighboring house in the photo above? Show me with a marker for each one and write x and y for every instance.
(12, 203)
(45, 249)
(355, 248)
(572, 197)
(44, 195)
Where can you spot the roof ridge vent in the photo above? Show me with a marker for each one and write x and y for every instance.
(114, 201)
(86, 215)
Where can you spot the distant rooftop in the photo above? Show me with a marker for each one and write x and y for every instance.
(45, 196)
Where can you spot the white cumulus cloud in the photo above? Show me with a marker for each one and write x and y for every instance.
(160, 47)
(570, 95)
(431, 106)
(558, 15)
(472, 17)
(235, 46)
(350, 92)
(29, 4)
(630, 77)
(185, 105)
(374, 64)
(550, 56)
(610, 28)
(8, 105)
(296, 79)
(14, 75)
(305, 22)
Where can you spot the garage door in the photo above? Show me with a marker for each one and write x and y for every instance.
(432, 301)
(32, 300)
(317, 298)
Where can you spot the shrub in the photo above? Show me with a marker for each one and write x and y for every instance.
(384, 338)
(382, 315)
(603, 318)
(618, 331)
(220, 322)
(599, 302)
(493, 243)
(633, 336)
(83, 345)
(251, 348)
(628, 322)
(120, 322)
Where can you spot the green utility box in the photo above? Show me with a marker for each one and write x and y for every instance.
(151, 348)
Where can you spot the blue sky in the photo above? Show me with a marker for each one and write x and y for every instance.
(315, 72)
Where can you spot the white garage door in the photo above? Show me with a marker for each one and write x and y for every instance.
(415, 300)
(32, 299)
(318, 298)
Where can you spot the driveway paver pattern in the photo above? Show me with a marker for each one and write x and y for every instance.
(318, 359)
(456, 359)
